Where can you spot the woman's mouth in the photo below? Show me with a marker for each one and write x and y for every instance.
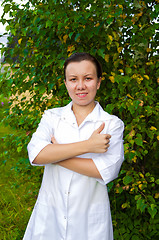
(81, 95)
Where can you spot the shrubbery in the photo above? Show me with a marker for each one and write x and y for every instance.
(123, 36)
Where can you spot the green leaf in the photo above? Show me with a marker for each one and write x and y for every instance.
(50, 86)
(110, 20)
(135, 237)
(70, 34)
(7, 8)
(127, 179)
(128, 70)
(157, 181)
(77, 36)
(101, 53)
(152, 211)
(19, 149)
(139, 140)
(48, 23)
(157, 8)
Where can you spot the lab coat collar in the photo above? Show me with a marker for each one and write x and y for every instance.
(98, 114)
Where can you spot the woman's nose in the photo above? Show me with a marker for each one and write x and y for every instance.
(81, 84)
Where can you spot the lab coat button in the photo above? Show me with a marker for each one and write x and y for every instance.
(67, 192)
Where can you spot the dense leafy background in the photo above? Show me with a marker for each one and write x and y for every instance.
(123, 36)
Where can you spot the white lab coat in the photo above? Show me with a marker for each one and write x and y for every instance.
(72, 206)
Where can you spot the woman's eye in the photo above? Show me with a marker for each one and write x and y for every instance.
(88, 78)
(73, 79)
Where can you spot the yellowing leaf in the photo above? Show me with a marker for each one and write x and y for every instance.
(132, 133)
(149, 63)
(65, 38)
(132, 189)
(110, 38)
(115, 35)
(147, 77)
(97, 24)
(117, 190)
(148, 50)
(157, 195)
(119, 49)
(19, 41)
(112, 73)
(70, 48)
(141, 103)
(133, 20)
(140, 14)
(111, 79)
(128, 95)
(124, 205)
(120, 6)
(134, 159)
(49, 104)
(158, 138)
(153, 128)
(123, 16)
(121, 70)
(141, 175)
(106, 57)
(139, 182)
(140, 186)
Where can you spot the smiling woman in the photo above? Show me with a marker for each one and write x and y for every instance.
(81, 147)
(82, 84)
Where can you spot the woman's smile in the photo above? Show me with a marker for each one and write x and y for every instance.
(81, 95)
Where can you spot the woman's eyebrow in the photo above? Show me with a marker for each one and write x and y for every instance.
(88, 74)
(72, 75)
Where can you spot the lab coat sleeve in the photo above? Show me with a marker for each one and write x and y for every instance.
(109, 163)
(42, 137)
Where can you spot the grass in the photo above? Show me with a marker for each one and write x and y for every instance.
(19, 186)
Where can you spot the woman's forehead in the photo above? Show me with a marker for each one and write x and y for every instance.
(82, 67)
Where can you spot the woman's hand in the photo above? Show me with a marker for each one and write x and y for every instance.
(99, 143)
(53, 140)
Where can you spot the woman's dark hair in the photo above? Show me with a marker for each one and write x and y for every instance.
(81, 56)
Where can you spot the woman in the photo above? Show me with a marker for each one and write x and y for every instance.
(81, 147)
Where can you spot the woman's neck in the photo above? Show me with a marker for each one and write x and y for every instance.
(81, 112)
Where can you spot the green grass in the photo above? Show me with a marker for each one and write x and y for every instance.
(19, 186)
(4, 130)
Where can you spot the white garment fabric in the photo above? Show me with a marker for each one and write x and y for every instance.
(71, 206)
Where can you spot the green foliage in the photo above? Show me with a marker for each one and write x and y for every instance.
(18, 196)
(124, 37)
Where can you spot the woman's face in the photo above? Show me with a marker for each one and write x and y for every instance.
(82, 82)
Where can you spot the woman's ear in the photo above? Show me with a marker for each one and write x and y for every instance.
(64, 81)
(99, 82)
